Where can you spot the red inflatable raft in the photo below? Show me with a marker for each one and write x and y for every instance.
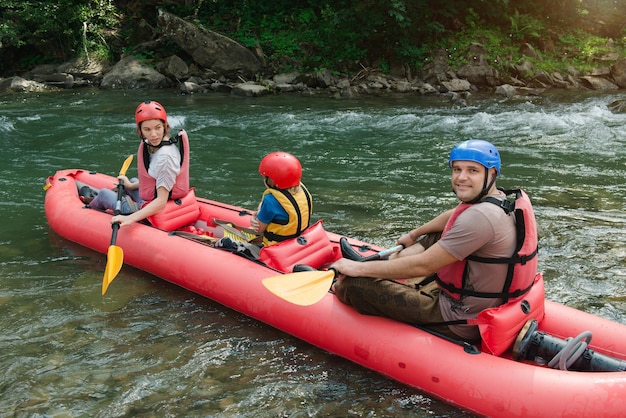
(473, 380)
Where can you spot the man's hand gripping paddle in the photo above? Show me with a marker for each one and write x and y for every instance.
(309, 287)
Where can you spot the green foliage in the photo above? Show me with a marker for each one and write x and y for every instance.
(32, 61)
(46, 25)
(583, 50)
(342, 35)
(412, 54)
(56, 30)
(525, 27)
(496, 43)
(472, 19)
(579, 50)
(593, 47)
(145, 56)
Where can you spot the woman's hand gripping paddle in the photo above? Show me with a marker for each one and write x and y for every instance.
(115, 255)
(308, 287)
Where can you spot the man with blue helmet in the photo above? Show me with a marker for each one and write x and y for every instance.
(468, 255)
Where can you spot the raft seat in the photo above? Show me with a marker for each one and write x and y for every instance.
(312, 248)
(500, 326)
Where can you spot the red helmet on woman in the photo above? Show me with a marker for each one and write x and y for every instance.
(150, 110)
(283, 168)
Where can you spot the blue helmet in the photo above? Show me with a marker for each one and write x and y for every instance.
(476, 150)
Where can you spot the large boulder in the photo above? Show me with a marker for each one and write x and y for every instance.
(21, 85)
(210, 49)
(173, 67)
(618, 106)
(436, 71)
(597, 83)
(479, 75)
(91, 70)
(456, 85)
(618, 72)
(131, 73)
(249, 89)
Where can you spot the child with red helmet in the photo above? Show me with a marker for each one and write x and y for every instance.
(285, 208)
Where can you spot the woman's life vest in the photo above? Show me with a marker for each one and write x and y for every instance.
(147, 184)
(298, 208)
(182, 207)
(522, 263)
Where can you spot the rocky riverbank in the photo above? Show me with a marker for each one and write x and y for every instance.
(218, 64)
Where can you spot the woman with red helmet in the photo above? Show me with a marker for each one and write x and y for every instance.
(162, 174)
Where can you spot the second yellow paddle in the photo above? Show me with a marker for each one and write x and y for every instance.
(309, 287)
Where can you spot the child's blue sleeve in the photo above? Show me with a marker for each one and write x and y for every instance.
(270, 210)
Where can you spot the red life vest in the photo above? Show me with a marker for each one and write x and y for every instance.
(522, 263)
(147, 184)
(182, 207)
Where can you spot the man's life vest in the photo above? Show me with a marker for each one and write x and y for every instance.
(298, 208)
(182, 207)
(522, 263)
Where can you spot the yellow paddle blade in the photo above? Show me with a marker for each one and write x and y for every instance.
(115, 259)
(115, 255)
(126, 164)
(237, 232)
(303, 288)
(236, 235)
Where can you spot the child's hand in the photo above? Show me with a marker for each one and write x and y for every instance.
(254, 224)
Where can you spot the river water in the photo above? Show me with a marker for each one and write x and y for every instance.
(375, 166)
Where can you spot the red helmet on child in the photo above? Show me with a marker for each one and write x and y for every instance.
(283, 168)
(150, 110)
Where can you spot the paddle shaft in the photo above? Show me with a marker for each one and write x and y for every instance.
(384, 253)
(118, 210)
(120, 192)
(115, 254)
